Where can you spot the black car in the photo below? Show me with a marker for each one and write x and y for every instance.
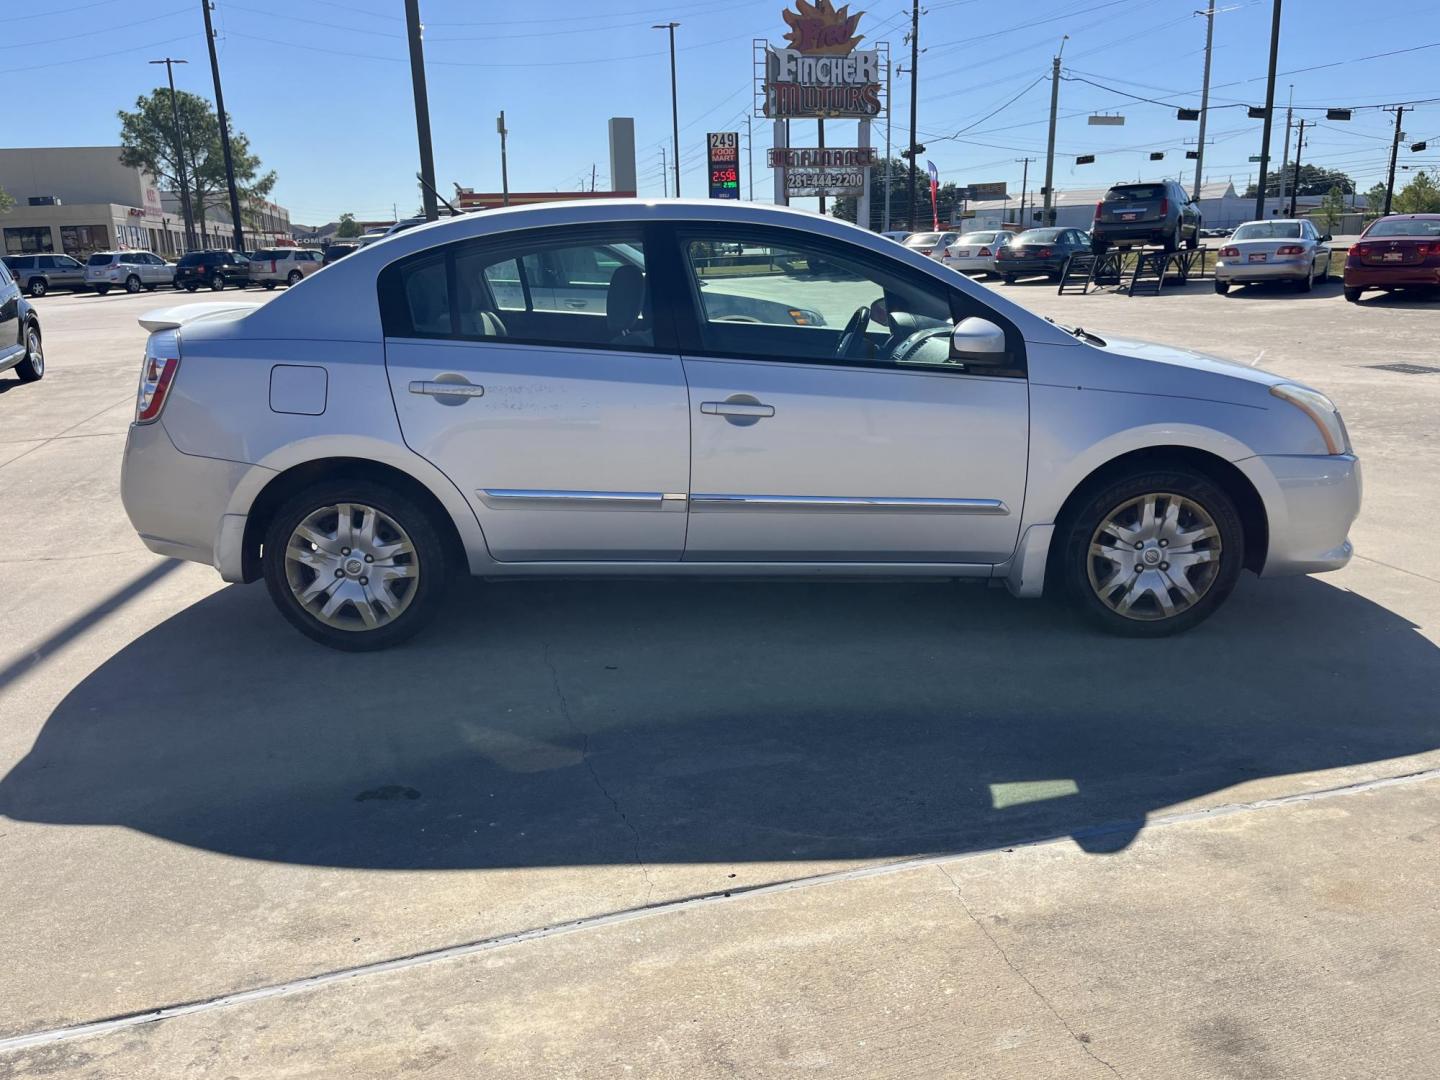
(1039, 251)
(215, 269)
(1136, 214)
(334, 252)
(19, 332)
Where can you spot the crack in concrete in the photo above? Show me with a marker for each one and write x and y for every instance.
(1083, 1043)
(595, 777)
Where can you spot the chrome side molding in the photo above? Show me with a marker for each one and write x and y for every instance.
(549, 499)
(846, 504)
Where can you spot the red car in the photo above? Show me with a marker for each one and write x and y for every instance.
(1395, 252)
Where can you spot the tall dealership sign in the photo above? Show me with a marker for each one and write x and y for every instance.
(722, 160)
(820, 74)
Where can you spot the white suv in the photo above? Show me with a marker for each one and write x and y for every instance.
(274, 266)
(132, 270)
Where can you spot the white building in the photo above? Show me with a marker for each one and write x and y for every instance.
(79, 199)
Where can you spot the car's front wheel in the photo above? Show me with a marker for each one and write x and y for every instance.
(1222, 287)
(33, 366)
(217, 283)
(354, 565)
(293, 278)
(132, 284)
(1353, 295)
(38, 286)
(102, 289)
(1154, 553)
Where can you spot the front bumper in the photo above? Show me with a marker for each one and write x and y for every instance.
(1240, 272)
(1310, 503)
(177, 501)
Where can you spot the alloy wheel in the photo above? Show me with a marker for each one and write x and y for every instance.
(1154, 556)
(34, 352)
(351, 566)
(37, 287)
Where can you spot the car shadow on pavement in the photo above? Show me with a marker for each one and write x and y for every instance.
(1269, 290)
(562, 723)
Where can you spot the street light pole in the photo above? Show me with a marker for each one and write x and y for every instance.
(1209, 14)
(504, 164)
(169, 63)
(914, 90)
(224, 131)
(422, 110)
(1295, 187)
(1269, 108)
(1049, 215)
(674, 102)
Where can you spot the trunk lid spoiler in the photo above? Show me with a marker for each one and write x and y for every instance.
(172, 318)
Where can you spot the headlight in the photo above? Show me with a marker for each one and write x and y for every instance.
(1321, 410)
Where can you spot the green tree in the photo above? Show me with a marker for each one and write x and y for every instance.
(1314, 180)
(147, 138)
(7, 201)
(1333, 208)
(1420, 196)
(347, 228)
(1375, 199)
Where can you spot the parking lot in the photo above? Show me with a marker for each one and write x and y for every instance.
(706, 828)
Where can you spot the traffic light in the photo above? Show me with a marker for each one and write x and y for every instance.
(1085, 159)
(1337, 114)
(1193, 155)
(1157, 155)
(1187, 114)
(1257, 112)
(907, 152)
(1415, 148)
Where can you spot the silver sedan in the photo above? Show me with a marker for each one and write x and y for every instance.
(1292, 251)
(610, 388)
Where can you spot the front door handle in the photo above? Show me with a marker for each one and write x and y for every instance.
(754, 410)
(447, 389)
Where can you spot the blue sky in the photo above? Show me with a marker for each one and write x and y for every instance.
(322, 87)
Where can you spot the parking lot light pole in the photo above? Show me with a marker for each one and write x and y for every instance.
(422, 110)
(674, 103)
(170, 63)
(224, 130)
(1269, 109)
(504, 164)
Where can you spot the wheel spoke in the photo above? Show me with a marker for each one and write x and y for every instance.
(319, 539)
(1183, 559)
(1170, 525)
(388, 553)
(319, 561)
(366, 536)
(1183, 585)
(317, 588)
(1161, 592)
(364, 604)
(344, 525)
(1147, 517)
(1194, 536)
(336, 600)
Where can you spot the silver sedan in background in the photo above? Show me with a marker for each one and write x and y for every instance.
(1284, 250)
(974, 252)
(823, 403)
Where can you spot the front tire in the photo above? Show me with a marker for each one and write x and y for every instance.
(1154, 553)
(293, 278)
(132, 284)
(1353, 295)
(355, 565)
(1222, 287)
(32, 368)
(217, 283)
(38, 286)
(191, 286)
(269, 285)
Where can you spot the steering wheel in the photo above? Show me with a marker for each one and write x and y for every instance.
(852, 341)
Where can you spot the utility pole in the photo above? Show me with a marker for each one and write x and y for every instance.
(914, 90)
(1024, 185)
(1295, 187)
(1049, 218)
(1209, 14)
(504, 163)
(820, 139)
(750, 155)
(1285, 154)
(1269, 110)
(224, 130)
(190, 244)
(889, 112)
(592, 178)
(674, 103)
(1394, 150)
(664, 174)
(422, 110)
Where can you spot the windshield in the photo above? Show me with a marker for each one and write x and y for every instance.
(1038, 236)
(923, 239)
(1268, 230)
(1405, 227)
(1135, 192)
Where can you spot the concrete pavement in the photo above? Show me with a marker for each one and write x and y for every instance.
(198, 802)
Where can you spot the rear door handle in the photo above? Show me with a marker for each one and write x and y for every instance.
(736, 408)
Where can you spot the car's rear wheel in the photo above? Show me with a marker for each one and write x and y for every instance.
(1353, 295)
(293, 277)
(269, 284)
(1307, 283)
(132, 284)
(190, 286)
(1009, 278)
(102, 289)
(1222, 287)
(1172, 242)
(38, 286)
(354, 565)
(1154, 553)
(33, 366)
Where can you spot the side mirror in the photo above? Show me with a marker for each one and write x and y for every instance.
(1326, 238)
(979, 342)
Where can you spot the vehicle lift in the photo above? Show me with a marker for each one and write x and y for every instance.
(1085, 272)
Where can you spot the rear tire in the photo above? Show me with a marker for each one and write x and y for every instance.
(1222, 287)
(1353, 295)
(32, 368)
(102, 289)
(191, 287)
(269, 285)
(1009, 279)
(217, 283)
(1148, 520)
(1307, 283)
(1172, 242)
(293, 278)
(399, 605)
(132, 284)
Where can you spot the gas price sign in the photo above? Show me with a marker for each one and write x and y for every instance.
(723, 159)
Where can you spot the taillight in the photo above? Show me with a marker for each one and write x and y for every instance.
(984, 251)
(1164, 207)
(1229, 253)
(1290, 249)
(155, 379)
(1045, 253)
(1099, 206)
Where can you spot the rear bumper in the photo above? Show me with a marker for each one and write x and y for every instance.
(1240, 272)
(974, 264)
(1386, 277)
(177, 501)
(1028, 266)
(1137, 232)
(1310, 503)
